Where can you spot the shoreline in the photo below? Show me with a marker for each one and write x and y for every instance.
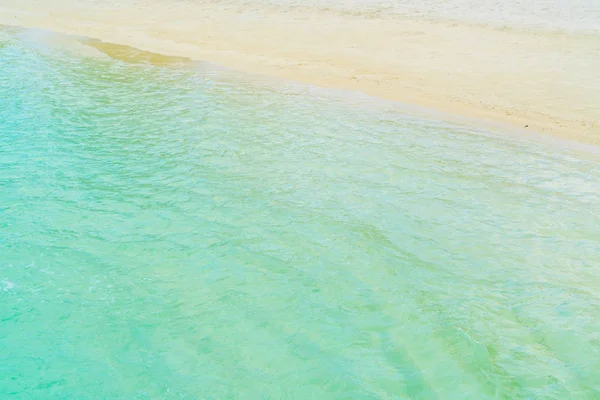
(545, 81)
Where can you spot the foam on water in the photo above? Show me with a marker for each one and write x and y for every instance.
(182, 232)
(8, 285)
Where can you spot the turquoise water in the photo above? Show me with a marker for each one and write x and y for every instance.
(186, 233)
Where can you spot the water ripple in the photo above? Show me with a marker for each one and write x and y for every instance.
(171, 232)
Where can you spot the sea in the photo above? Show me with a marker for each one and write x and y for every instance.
(177, 230)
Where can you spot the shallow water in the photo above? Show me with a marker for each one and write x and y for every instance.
(171, 232)
(562, 15)
(570, 15)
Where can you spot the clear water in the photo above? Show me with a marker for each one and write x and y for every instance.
(183, 233)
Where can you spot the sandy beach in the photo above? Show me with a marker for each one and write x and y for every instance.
(545, 80)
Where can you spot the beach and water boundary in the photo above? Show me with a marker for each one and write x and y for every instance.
(174, 229)
(535, 77)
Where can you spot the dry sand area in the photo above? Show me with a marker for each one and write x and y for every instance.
(547, 80)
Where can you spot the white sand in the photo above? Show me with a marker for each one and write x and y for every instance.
(549, 81)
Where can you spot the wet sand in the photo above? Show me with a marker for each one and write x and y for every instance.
(545, 80)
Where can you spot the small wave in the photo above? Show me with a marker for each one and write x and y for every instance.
(7, 285)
